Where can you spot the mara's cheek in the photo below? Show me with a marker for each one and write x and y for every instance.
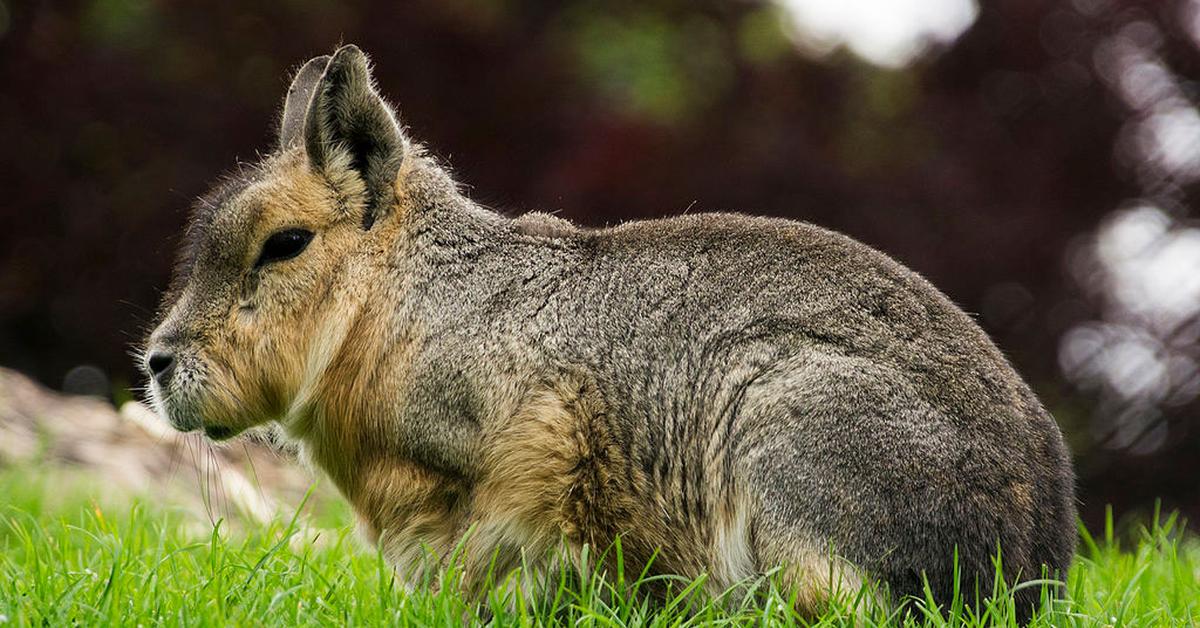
(249, 333)
(248, 294)
(244, 315)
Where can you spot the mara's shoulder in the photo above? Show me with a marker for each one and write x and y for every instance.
(682, 227)
(739, 230)
(760, 244)
(723, 238)
(540, 224)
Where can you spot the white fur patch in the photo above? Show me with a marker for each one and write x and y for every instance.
(325, 347)
(733, 558)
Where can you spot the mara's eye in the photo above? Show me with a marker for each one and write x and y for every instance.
(283, 245)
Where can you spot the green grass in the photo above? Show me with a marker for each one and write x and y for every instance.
(66, 559)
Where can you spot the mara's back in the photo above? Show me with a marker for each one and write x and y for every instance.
(775, 385)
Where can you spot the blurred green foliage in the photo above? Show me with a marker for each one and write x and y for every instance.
(646, 63)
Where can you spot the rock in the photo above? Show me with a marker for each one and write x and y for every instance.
(134, 451)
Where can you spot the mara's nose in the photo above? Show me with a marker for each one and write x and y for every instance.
(161, 364)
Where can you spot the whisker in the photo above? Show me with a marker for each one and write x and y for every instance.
(201, 477)
(254, 471)
(210, 479)
(173, 464)
(219, 476)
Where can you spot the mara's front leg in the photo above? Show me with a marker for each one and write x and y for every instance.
(430, 528)
(490, 551)
(413, 515)
(520, 509)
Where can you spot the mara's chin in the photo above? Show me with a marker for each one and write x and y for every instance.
(179, 418)
(193, 409)
(183, 413)
(221, 432)
(184, 420)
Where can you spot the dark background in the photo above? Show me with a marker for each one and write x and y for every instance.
(1039, 169)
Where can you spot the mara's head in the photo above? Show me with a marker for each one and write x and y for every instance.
(264, 266)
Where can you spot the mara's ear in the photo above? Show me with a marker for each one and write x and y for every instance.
(295, 106)
(348, 118)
